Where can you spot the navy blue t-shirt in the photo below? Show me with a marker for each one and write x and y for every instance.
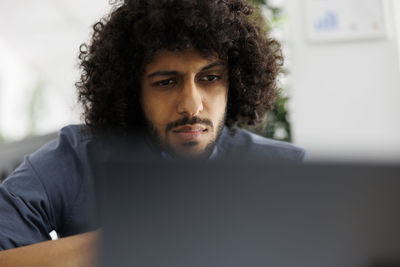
(53, 189)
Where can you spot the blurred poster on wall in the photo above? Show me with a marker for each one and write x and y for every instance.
(344, 20)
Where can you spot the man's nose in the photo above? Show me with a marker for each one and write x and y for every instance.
(190, 101)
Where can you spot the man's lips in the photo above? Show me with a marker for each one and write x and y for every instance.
(189, 133)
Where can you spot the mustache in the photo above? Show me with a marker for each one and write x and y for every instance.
(186, 121)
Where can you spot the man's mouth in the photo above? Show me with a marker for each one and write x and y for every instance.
(190, 132)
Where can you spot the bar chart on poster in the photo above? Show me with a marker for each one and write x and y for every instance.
(344, 20)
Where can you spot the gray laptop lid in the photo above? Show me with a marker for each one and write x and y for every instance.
(250, 214)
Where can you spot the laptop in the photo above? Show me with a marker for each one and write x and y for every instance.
(249, 214)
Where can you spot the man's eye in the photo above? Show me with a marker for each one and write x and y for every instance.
(165, 82)
(210, 78)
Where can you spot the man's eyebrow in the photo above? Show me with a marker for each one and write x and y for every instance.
(173, 72)
(162, 73)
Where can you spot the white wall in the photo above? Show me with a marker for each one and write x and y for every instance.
(345, 96)
(39, 43)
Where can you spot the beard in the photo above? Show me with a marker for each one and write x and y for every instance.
(161, 145)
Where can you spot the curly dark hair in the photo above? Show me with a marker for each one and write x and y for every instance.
(124, 41)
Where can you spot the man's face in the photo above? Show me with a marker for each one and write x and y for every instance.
(184, 98)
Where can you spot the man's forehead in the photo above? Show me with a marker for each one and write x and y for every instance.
(168, 59)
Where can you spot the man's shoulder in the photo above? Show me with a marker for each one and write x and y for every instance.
(64, 160)
(59, 177)
(239, 142)
(71, 138)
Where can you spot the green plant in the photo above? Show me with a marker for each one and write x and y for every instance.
(259, 2)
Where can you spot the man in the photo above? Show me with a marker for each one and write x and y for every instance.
(177, 75)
